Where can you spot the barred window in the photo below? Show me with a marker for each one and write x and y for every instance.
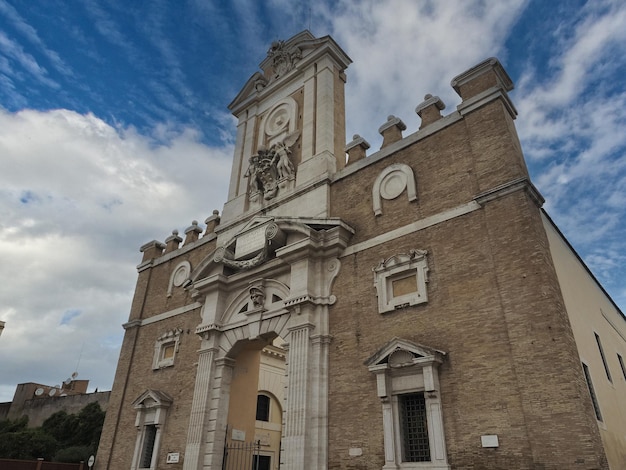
(148, 445)
(407, 382)
(261, 462)
(151, 407)
(415, 443)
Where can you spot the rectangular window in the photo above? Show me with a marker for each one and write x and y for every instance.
(621, 364)
(415, 443)
(592, 392)
(262, 408)
(404, 285)
(167, 351)
(261, 462)
(606, 366)
(148, 445)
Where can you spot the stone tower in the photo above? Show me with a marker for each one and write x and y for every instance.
(291, 130)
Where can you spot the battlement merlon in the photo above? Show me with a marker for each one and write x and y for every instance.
(480, 81)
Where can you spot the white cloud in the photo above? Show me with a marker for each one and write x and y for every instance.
(27, 62)
(571, 125)
(31, 34)
(404, 50)
(78, 199)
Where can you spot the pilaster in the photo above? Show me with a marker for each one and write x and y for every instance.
(198, 415)
(297, 412)
(308, 114)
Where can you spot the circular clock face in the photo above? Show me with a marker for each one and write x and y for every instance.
(52, 392)
(39, 392)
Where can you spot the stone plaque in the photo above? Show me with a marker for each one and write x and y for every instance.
(173, 457)
(250, 242)
(238, 435)
(489, 440)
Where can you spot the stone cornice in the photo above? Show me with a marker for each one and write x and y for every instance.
(131, 324)
(162, 316)
(485, 97)
(520, 184)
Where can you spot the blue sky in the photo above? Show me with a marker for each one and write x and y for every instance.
(114, 130)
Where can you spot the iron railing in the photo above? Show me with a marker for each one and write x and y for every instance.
(241, 456)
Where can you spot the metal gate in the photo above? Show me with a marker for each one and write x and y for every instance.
(242, 456)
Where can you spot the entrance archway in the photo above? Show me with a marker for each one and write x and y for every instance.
(255, 412)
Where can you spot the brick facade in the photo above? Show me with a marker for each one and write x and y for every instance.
(494, 312)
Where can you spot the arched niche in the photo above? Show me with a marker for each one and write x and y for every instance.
(391, 183)
(243, 304)
(278, 122)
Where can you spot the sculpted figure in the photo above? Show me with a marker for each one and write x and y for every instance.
(251, 173)
(283, 164)
(283, 149)
(268, 167)
(257, 295)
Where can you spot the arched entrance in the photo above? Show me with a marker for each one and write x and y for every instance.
(255, 413)
(282, 291)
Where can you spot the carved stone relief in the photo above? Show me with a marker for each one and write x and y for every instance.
(178, 276)
(283, 58)
(257, 295)
(271, 170)
(250, 248)
(391, 183)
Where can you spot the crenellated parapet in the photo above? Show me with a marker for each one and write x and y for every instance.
(175, 243)
(481, 84)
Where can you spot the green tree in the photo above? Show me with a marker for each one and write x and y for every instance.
(27, 444)
(61, 426)
(63, 437)
(13, 425)
(90, 421)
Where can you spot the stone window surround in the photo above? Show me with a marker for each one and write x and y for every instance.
(398, 267)
(169, 338)
(417, 374)
(151, 409)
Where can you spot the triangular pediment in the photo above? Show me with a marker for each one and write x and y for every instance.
(250, 88)
(152, 399)
(409, 349)
(284, 59)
